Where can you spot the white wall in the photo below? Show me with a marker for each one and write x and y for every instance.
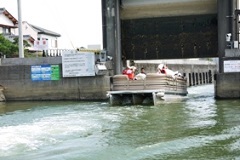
(27, 30)
(5, 21)
(50, 41)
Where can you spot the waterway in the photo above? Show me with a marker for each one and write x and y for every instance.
(199, 127)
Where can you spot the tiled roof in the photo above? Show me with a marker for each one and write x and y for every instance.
(44, 31)
(7, 14)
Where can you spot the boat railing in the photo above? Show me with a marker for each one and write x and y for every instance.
(153, 81)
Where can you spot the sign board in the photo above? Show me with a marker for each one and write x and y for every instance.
(78, 64)
(55, 72)
(41, 44)
(45, 72)
(231, 66)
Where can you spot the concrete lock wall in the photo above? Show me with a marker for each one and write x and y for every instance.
(227, 82)
(15, 76)
(197, 72)
(227, 85)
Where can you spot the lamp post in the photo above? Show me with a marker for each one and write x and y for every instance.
(20, 38)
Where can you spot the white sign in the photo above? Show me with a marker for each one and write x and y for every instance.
(231, 66)
(41, 44)
(78, 64)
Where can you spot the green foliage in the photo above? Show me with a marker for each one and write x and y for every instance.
(7, 47)
(25, 43)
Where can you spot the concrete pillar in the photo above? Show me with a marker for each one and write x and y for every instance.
(237, 23)
(224, 19)
(118, 45)
(111, 31)
(227, 80)
(233, 7)
(104, 24)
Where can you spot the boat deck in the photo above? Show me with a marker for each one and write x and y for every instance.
(154, 87)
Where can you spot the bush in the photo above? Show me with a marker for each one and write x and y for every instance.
(7, 47)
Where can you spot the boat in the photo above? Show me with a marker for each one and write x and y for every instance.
(154, 89)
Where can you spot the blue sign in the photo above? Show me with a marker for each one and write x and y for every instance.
(45, 72)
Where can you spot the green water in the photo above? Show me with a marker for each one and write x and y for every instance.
(197, 128)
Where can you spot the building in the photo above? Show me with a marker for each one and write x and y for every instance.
(38, 38)
(43, 39)
(8, 23)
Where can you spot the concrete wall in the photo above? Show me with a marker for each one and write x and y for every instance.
(132, 9)
(227, 86)
(15, 76)
(197, 72)
(227, 82)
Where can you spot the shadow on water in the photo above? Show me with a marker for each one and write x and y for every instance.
(21, 106)
(8, 107)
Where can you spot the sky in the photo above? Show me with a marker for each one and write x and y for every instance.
(78, 21)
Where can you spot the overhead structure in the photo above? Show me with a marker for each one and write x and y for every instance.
(163, 29)
(160, 29)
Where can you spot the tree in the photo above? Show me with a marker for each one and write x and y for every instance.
(7, 47)
(25, 43)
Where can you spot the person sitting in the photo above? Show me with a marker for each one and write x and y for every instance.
(125, 70)
(141, 75)
(143, 71)
(130, 72)
(163, 69)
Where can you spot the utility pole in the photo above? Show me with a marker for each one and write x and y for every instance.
(20, 38)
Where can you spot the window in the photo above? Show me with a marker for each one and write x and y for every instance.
(6, 30)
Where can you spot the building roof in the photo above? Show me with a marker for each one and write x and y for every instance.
(7, 14)
(44, 31)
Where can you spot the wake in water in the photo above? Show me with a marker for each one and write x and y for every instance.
(36, 128)
(201, 91)
(198, 128)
